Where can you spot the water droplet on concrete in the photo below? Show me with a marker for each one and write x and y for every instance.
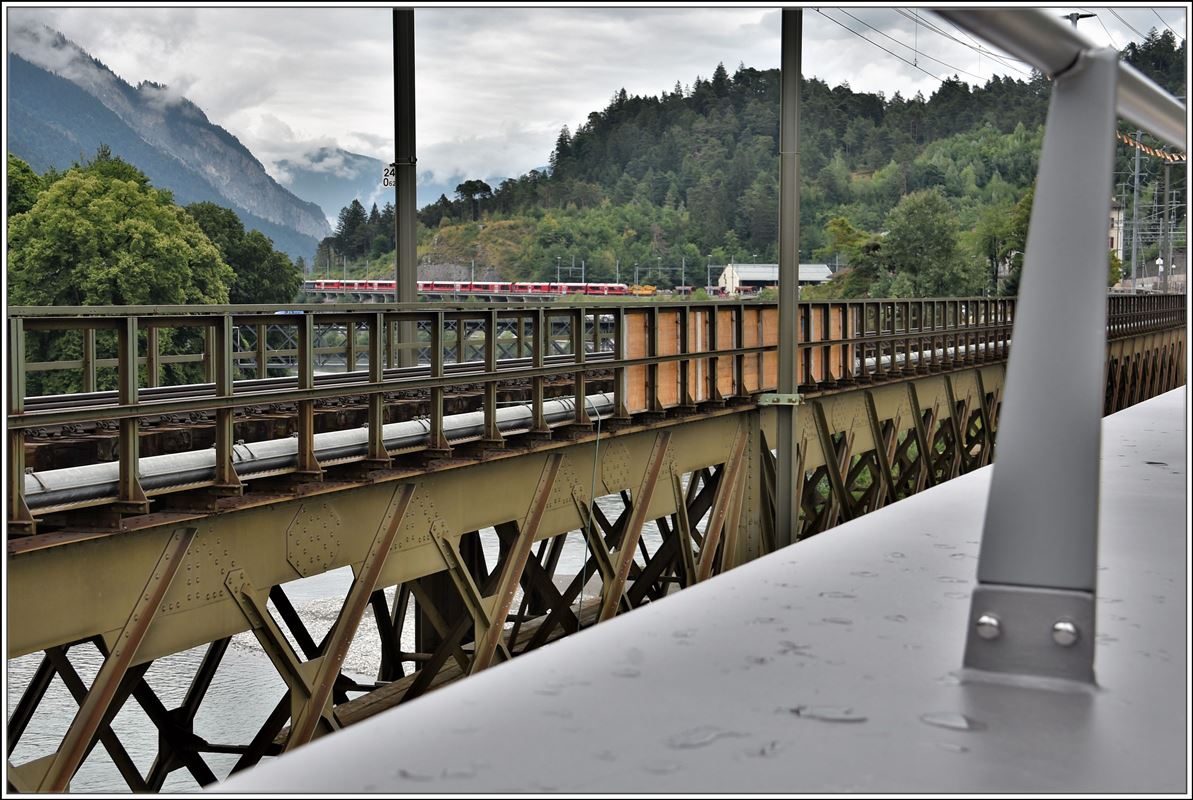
(787, 648)
(952, 748)
(956, 595)
(896, 555)
(838, 595)
(951, 720)
(950, 579)
(407, 775)
(827, 713)
(837, 620)
(661, 768)
(895, 618)
(768, 750)
(862, 573)
(627, 672)
(942, 546)
(699, 737)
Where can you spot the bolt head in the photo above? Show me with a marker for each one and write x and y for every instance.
(1065, 633)
(988, 626)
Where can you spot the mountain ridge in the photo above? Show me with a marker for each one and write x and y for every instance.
(161, 120)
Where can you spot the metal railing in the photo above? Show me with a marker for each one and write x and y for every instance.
(660, 356)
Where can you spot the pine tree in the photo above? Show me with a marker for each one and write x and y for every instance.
(562, 153)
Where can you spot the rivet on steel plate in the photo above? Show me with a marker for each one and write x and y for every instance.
(989, 626)
(1065, 633)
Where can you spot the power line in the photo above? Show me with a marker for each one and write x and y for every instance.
(1103, 24)
(1129, 25)
(1000, 58)
(1166, 25)
(880, 47)
(896, 41)
(980, 50)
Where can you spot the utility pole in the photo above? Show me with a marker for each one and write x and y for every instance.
(1169, 261)
(1075, 16)
(635, 273)
(786, 507)
(405, 221)
(582, 278)
(472, 272)
(683, 269)
(1135, 218)
(1165, 234)
(617, 271)
(558, 260)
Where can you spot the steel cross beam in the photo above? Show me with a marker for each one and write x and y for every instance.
(78, 738)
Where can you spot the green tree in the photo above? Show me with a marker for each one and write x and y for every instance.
(472, 192)
(351, 236)
(263, 275)
(101, 235)
(921, 246)
(1015, 244)
(1115, 273)
(23, 186)
(94, 239)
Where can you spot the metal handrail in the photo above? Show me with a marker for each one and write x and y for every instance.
(1052, 47)
(1033, 614)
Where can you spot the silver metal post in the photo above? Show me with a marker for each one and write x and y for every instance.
(1165, 234)
(786, 515)
(1135, 222)
(1033, 610)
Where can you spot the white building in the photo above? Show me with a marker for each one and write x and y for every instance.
(1116, 228)
(750, 277)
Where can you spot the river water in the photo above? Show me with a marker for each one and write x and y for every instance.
(246, 686)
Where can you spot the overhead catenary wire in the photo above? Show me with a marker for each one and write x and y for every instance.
(1117, 16)
(1000, 58)
(878, 45)
(1109, 35)
(1166, 25)
(916, 48)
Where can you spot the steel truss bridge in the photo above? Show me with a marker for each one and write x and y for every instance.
(209, 459)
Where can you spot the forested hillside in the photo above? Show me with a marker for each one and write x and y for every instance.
(692, 177)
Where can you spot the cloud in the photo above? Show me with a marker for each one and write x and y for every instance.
(493, 85)
(162, 97)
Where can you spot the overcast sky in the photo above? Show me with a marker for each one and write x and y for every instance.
(494, 85)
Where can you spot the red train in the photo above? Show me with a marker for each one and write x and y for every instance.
(466, 287)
